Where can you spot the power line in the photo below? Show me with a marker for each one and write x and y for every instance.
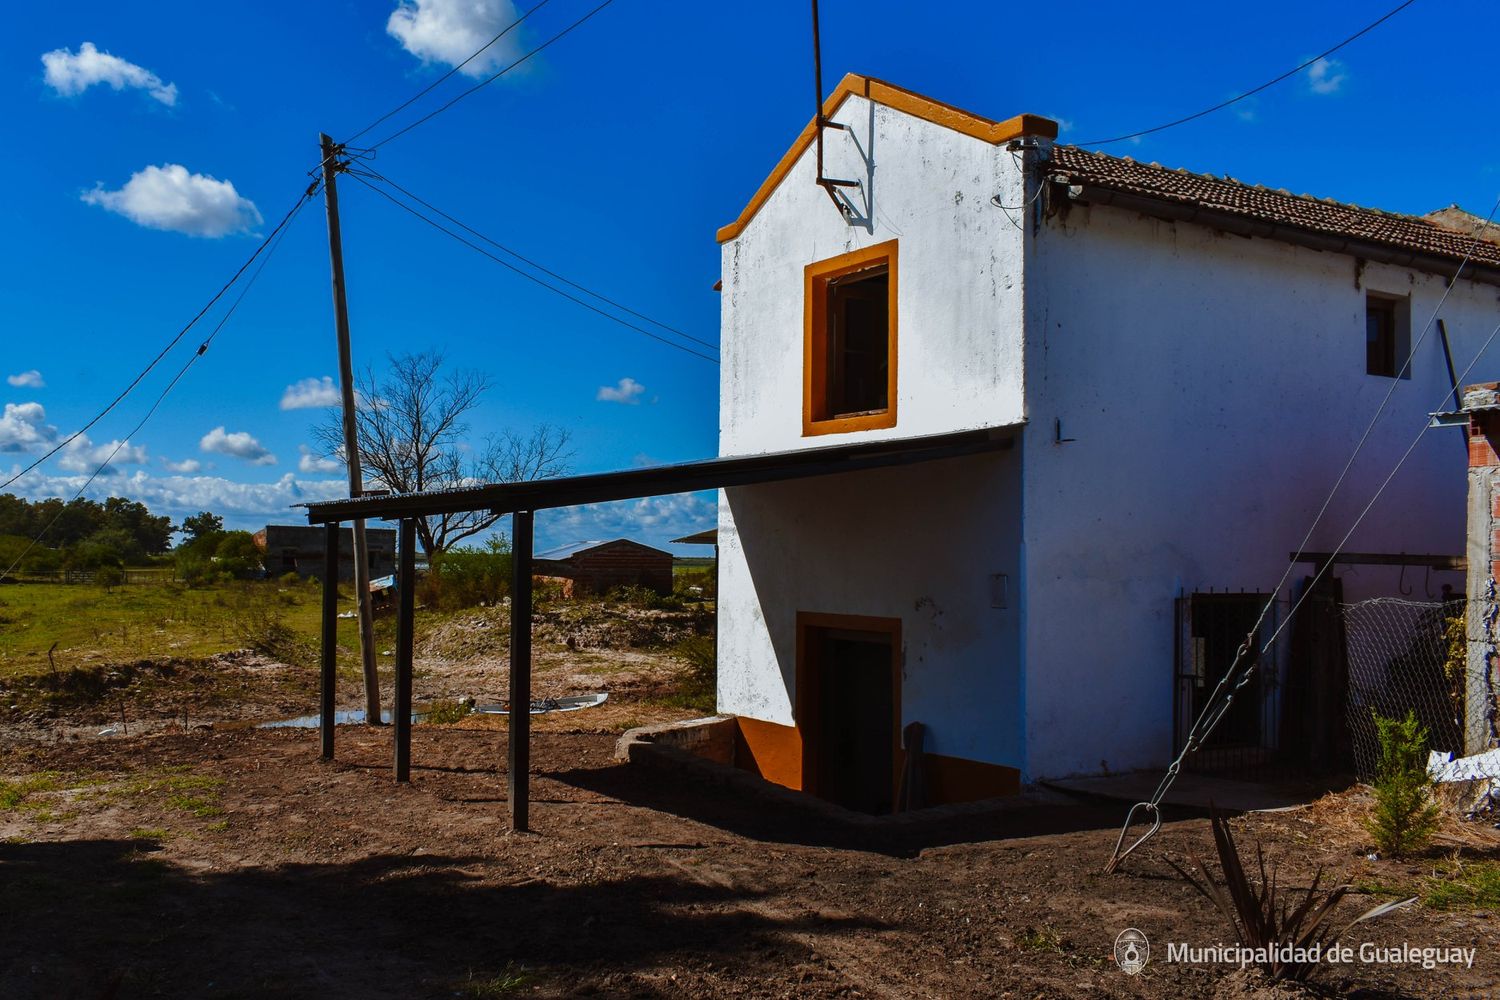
(491, 79)
(530, 277)
(311, 190)
(440, 80)
(192, 359)
(1251, 93)
(527, 260)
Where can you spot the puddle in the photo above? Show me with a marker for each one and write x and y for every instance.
(346, 718)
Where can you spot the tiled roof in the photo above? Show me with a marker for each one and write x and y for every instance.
(1262, 204)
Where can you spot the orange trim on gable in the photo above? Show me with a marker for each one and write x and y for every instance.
(900, 99)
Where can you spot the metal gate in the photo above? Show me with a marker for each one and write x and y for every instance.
(1247, 743)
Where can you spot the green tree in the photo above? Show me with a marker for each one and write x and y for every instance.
(196, 526)
(1405, 817)
(238, 555)
(152, 534)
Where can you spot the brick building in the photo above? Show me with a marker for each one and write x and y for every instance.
(596, 567)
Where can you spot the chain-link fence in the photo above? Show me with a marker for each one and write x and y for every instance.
(1405, 656)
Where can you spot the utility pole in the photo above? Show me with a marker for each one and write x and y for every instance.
(331, 168)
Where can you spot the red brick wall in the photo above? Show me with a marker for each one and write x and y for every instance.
(602, 569)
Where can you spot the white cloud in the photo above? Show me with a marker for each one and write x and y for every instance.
(449, 31)
(310, 393)
(82, 455)
(311, 463)
(23, 427)
(168, 197)
(653, 520)
(239, 444)
(245, 505)
(71, 73)
(1326, 76)
(187, 466)
(28, 380)
(627, 390)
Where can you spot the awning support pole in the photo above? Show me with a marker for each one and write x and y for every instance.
(328, 654)
(519, 762)
(406, 604)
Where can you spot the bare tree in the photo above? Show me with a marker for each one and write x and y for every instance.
(412, 436)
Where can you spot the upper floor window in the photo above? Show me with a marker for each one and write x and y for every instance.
(849, 361)
(1387, 335)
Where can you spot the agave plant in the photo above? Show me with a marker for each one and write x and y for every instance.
(1269, 918)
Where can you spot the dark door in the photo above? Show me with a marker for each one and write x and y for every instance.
(855, 722)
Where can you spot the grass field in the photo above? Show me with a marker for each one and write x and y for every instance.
(89, 624)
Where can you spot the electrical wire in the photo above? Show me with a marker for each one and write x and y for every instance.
(530, 277)
(311, 190)
(202, 349)
(1246, 659)
(527, 260)
(1251, 93)
(440, 80)
(491, 79)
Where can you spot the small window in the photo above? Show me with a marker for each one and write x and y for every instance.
(849, 376)
(1387, 336)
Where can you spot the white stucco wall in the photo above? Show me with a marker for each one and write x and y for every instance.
(959, 330)
(1214, 386)
(917, 543)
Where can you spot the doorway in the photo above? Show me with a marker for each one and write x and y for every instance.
(849, 709)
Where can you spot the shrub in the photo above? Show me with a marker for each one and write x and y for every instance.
(643, 597)
(698, 683)
(291, 579)
(445, 713)
(1264, 916)
(238, 555)
(109, 577)
(468, 575)
(260, 624)
(1405, 817)
(696, 584)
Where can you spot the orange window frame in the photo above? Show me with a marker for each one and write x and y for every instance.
(816, 277)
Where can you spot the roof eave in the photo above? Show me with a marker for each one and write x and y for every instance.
(1232, 222)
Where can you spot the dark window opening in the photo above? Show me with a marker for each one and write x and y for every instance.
(1387, 335)
(858, 343)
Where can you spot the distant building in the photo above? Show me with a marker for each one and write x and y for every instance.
(596, 567)
(290, 548)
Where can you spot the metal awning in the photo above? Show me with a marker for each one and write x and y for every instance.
(522, 500)
(688, 477)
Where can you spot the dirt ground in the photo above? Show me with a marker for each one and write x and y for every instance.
(153, 843)
(233, 863)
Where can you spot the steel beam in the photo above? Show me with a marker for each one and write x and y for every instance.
(519, 761)
(406, 603)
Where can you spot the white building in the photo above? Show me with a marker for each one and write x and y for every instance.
(1184, 363)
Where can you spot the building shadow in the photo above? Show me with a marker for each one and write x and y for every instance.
(748, 806)
(109, 919)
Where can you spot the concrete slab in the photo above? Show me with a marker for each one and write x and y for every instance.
(1196, 791)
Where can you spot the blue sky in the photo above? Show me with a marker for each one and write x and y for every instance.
(611, 158)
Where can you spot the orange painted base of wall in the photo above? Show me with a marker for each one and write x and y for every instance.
(775, 753)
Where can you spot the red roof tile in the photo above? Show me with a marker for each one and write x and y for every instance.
(1224, 194)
